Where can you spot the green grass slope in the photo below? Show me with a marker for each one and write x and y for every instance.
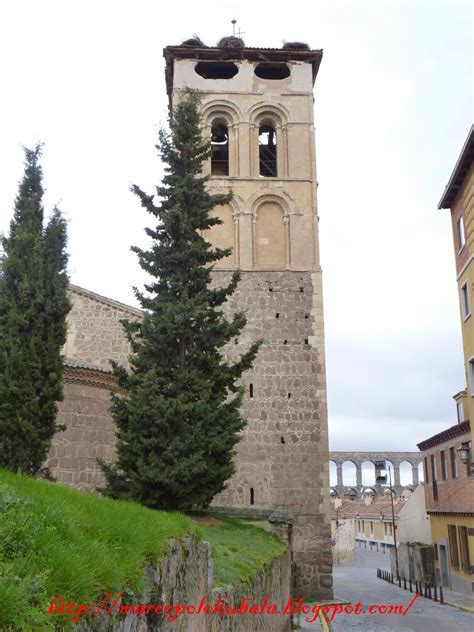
(58, 542)
(239, 550)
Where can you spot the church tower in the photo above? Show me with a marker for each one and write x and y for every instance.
(257, 108)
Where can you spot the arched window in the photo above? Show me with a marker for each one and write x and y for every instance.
(220, 148)
(267, 150)
(270, 236)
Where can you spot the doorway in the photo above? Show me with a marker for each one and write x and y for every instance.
(443, 560)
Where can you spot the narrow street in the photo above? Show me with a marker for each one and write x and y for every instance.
(358, 582)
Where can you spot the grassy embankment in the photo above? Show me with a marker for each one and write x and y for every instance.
(55, 541)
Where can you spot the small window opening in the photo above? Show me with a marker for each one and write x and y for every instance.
(220, 150)
(289, 395)
(267, 151)
(270, 289)
(285, 342)
(465, 301)
(282, 440)
(277, 315)
(471, 375)
(252, 496)
(306, 341)
(236, 341)
(306, 315)
(461, 233)
(272, 71)
(216, 70)
(301, 289)
(251, 390)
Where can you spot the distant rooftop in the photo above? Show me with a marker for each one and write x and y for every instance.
(446, 435)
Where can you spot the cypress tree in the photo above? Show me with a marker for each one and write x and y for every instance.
(33, 309)
(180, 420)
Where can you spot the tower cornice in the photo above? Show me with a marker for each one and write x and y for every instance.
(213, 53)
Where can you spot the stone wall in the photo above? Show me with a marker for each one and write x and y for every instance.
(90, 430)
(184, 577)
(95, 334)
(343, 540)
(415, 562)
(282, 458)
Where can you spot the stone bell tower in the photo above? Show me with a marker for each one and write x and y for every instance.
(257, 108)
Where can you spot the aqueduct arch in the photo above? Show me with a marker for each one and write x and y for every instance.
(358, 458)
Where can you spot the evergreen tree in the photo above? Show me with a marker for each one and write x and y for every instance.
(179, 423)
(33, 309)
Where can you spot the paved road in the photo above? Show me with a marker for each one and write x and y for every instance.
(358, 582)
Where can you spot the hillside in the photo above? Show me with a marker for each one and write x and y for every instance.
(57, 541)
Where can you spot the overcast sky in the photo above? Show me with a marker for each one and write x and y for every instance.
(393, 108)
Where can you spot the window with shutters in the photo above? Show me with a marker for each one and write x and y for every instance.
(464, 546)
(453, 546)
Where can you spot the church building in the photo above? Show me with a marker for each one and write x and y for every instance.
(257, 109)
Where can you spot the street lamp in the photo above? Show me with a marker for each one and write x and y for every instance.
(464, 452)
(382, 465)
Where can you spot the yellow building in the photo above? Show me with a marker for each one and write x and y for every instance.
(447, 456)
(459, 198)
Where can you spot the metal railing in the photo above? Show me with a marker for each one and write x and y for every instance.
(429, 591)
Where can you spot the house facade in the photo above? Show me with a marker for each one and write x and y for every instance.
(447, 456)
(449, 488)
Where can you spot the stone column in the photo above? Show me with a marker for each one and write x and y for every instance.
(234, 150)
(244, 149)
(358, 474)
(236, 252)
(254, 161)
(286, 221)
(396, 474)
(282, 150)
(340, 482)
(414, 473)
(246, 230)
(206, 165)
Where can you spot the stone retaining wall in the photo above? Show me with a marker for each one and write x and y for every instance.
(184, 576)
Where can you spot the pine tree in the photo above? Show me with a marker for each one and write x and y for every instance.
(180, 421)
(33, 309)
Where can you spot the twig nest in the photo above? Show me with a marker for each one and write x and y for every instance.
(296, 46)
(231, 41)
(194, 42)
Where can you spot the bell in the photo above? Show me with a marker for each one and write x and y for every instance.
(219, 134)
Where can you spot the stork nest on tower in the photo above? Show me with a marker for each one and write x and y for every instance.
(194, 42)
(231, 41)
(296, 46)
